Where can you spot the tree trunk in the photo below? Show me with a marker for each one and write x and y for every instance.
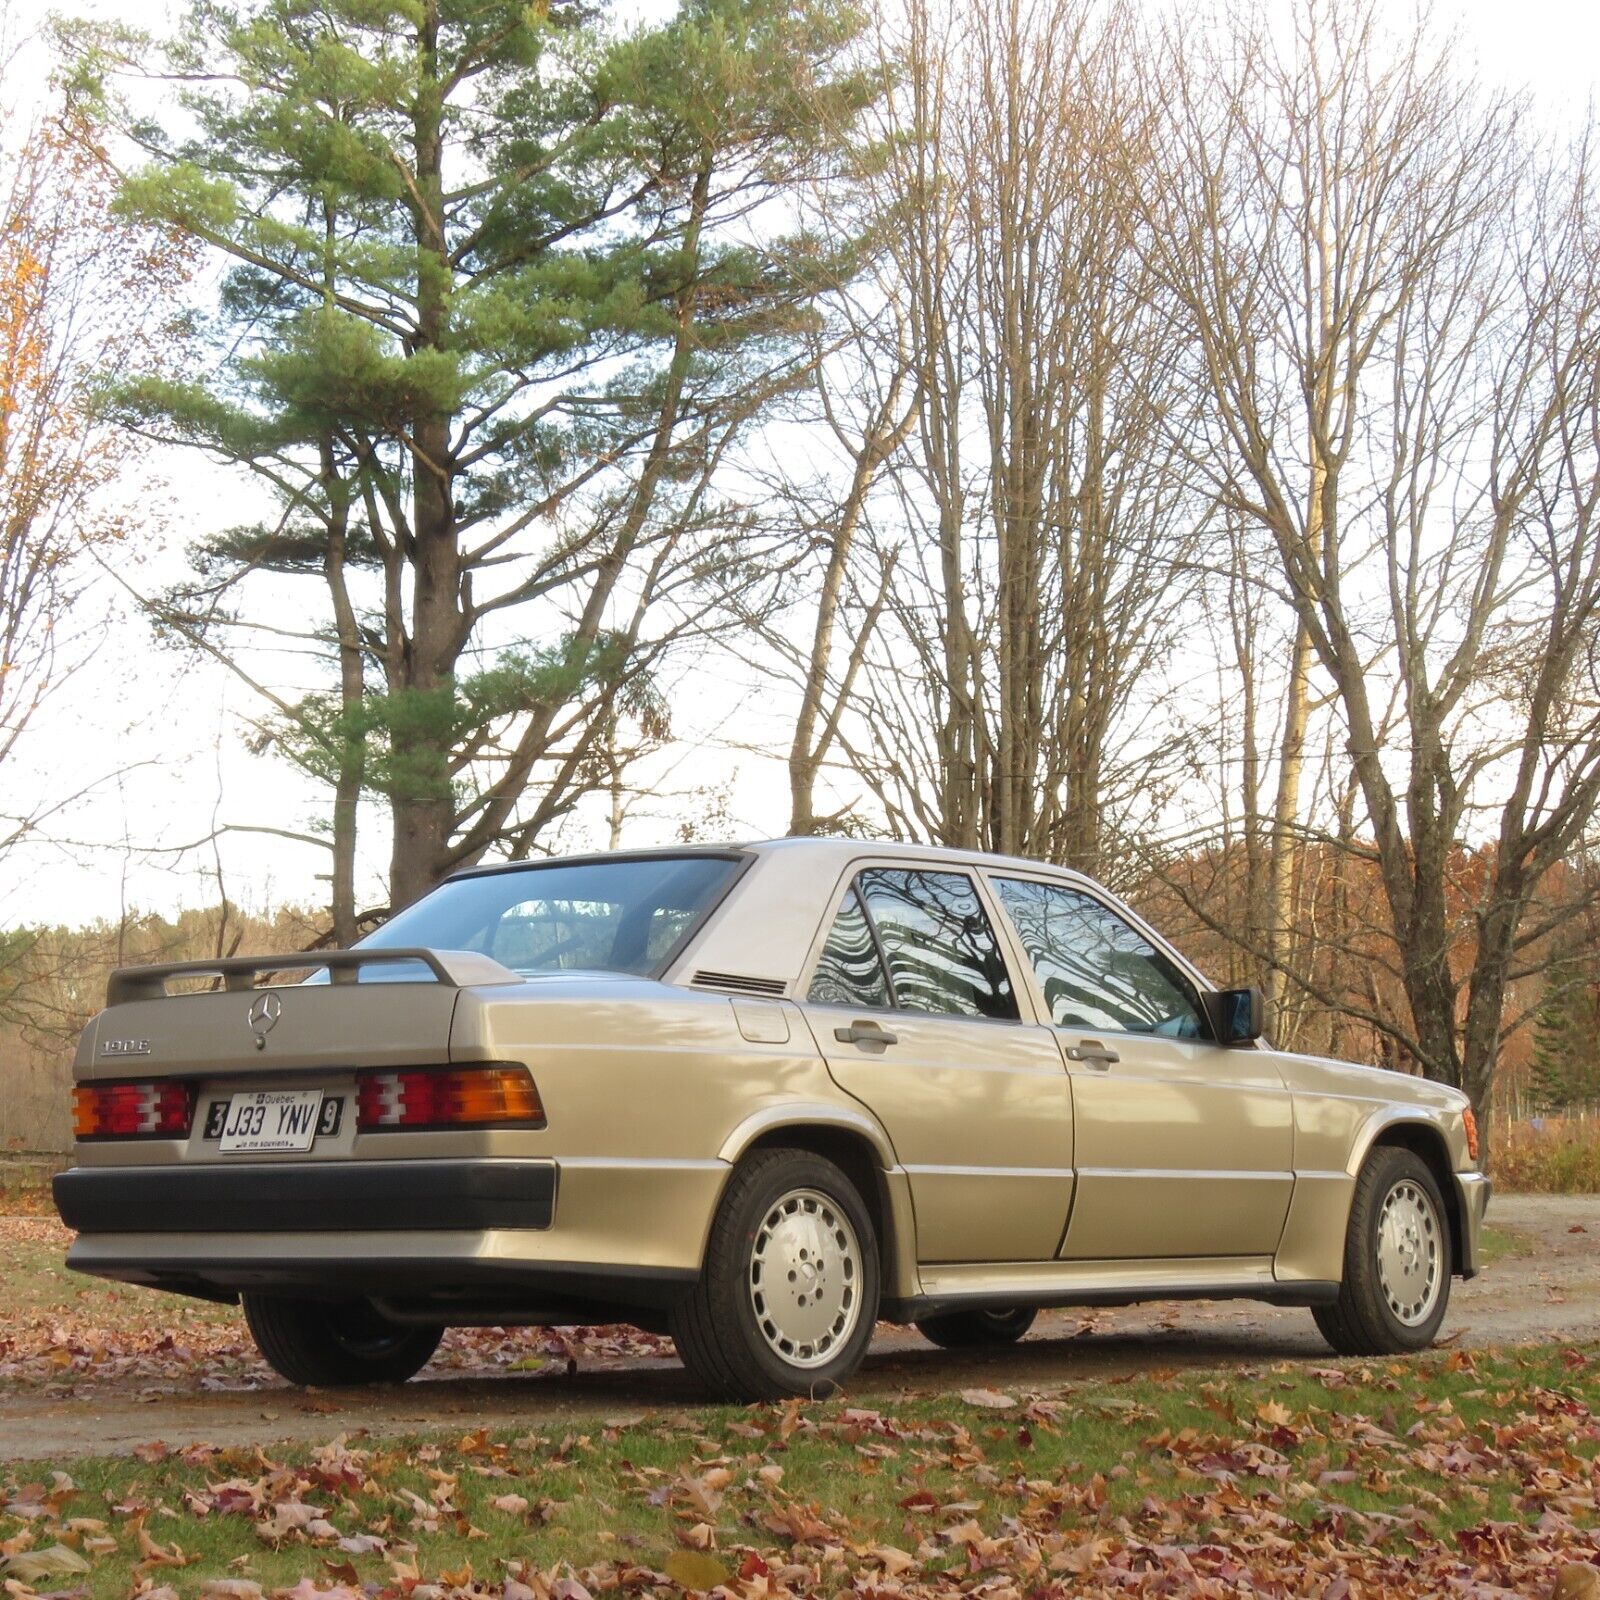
(424, 810)
(350, 754)
(808, 750)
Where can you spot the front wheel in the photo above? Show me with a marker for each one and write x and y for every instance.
(977, 1330)
(1397, 1260)
(788, 1297)
(336, 1344)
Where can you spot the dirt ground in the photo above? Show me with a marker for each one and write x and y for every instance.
(1544, 1286)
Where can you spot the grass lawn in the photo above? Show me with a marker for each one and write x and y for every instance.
(1416, 1474)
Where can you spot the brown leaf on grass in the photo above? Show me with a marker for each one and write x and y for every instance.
(306, 1589)
(990, 1398)
(32, 1567)
(1577, 1581)
(152, 1555)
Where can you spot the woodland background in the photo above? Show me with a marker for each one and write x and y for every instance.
(1168, 446)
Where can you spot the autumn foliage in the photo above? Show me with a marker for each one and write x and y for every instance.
(84, 296)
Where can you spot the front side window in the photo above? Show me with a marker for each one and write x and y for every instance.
(941, 950)
(850, 971)
(616, 915)
(1096, 971)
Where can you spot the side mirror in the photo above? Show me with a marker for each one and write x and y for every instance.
(1237, 1015)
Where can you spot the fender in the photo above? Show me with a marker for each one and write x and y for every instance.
(809, 1114)
(1435, 1119)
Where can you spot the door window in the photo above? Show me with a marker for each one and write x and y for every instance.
(1096, 971)
(850, 971)
(941, 950)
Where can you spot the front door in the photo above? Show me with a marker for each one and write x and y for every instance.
(1182, 1147)
(916, 1015)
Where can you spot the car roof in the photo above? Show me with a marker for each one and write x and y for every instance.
(821, 852)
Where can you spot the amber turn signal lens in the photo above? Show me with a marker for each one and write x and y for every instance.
(1471, 1123)
(472, 1097)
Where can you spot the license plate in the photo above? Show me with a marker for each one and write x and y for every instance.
(271, 1119)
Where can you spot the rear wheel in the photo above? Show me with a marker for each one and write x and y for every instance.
(788, 1297)
(334, 1344)
(973, 1330)
(1397, 1259)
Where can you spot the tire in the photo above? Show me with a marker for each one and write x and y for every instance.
(1396, 1284)
(788, 1296)
(328, 1344)
(977, 1330)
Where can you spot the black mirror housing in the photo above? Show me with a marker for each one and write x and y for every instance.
(1237, 1015)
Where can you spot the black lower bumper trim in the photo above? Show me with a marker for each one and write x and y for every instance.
(448, 1290)
(308, 1197)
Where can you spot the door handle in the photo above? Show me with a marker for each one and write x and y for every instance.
(1092, 1054)
(865, 1033)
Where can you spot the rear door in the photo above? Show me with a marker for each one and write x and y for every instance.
(917, 1016)
(1182, 1147)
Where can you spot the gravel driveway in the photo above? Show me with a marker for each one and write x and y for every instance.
(1547, 1287)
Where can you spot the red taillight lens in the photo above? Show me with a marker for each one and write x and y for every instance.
(133, 1110)
(1471, 1124)
(468, 1097)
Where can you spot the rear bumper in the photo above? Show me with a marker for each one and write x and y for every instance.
(500, 1238)
(1472, 1196)
(309, 1197)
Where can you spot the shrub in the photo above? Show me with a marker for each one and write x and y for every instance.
(1561, 1156)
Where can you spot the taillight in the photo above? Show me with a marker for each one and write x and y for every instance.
(463, 1097)
(133, 1110)
(1471, 1124)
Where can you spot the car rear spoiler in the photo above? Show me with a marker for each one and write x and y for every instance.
(458, 968)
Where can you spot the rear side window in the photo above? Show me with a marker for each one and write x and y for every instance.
(941, 949)
(850, 972)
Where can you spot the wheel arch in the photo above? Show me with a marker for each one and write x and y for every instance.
(861, 1150)
(1427, 1143)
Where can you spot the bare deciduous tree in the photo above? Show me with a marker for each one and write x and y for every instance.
(1393, 288)
(83, 295)
(1045, 503)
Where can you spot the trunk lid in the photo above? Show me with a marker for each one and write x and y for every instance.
(247, 1028)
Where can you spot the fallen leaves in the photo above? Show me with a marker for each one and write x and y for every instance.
(150, 1344)
(1463, 1474)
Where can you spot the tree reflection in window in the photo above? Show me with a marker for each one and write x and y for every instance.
(1095, 970)
(850, 972)
(941, 949)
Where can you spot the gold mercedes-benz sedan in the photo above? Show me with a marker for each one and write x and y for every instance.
(759, 1097)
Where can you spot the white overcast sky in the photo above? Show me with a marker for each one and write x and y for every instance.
(180, 729)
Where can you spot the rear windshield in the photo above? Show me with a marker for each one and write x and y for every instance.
(616, 915)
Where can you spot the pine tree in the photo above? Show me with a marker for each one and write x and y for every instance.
(1565, 1068)
(505, 288)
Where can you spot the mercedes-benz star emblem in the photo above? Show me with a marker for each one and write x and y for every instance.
(262, 1016)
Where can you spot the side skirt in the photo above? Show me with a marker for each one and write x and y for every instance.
(1046, 1284)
